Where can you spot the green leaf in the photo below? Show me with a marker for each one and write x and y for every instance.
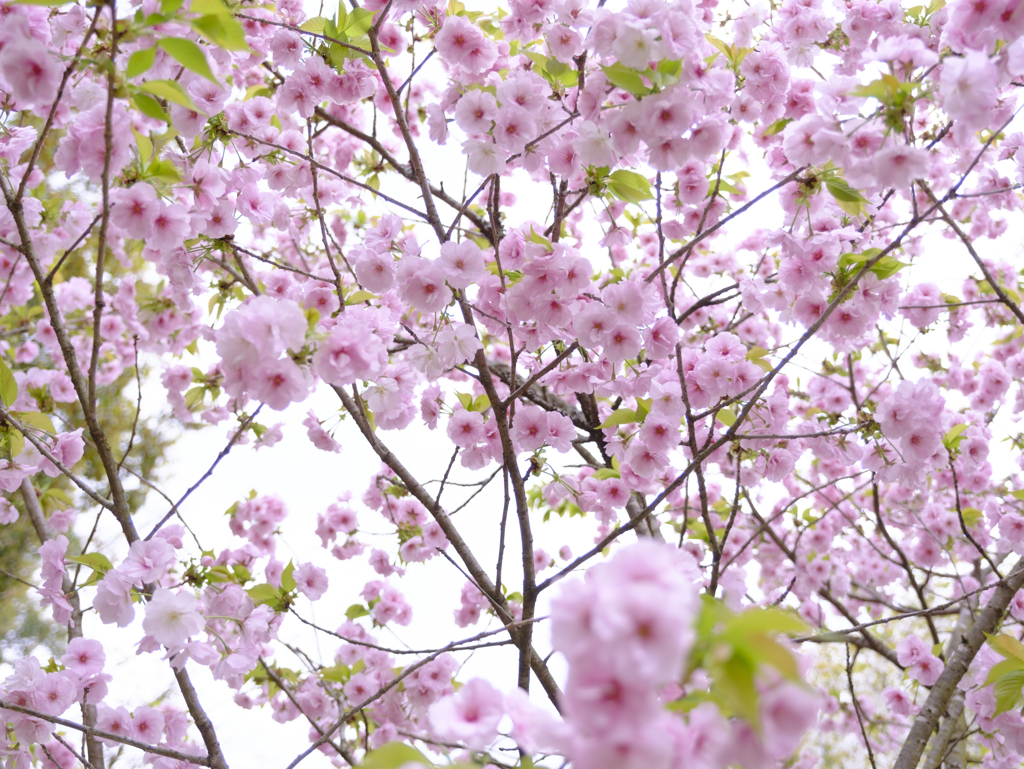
(972, 516)
(315, 25)
(95, 561)
(15, 442)
(734, 688)
(625, 78)
(256, 90)
(629, 186)
(466, 400)
(8, 387)
(619, 417)
(951, 440)
(220, 574)
(847, 198)
(339, 674)
(1007, 691)
(481, 403)
(1002, 668)
(149, 107)
(540, 240)
(883, 269)
(670, 71)
(392, 756)
(847, 260)
(37, 420)
(723, 186)
(540, 62)
(689, 702)
(720, 45)
(145, 147)
(1007, 646)
(766, 650)
(189, 55)
(357, 610)
(643, 408)
(726, 417)
(358, 22)
(194, 398)
(205, 7)
(770, 620)
(288, 583)
(359, 296)
(264, 593)
(221, 30)
(140, 62)
(163, 169)
(170, 91)
(886, 267)
(606, 472)
(777, 127)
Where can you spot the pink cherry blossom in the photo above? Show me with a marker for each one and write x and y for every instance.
(470, 716)
(172, 617)
(311, 581)
(31, 72)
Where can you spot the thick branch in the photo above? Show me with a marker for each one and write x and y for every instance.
(937, 703)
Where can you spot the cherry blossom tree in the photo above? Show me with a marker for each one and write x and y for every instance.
(721, 340)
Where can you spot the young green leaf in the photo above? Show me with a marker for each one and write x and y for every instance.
(625, 78)
(1007, 646)
(629, 186)
(8, 386)
(619, 417)
(170, 91)
(38, 421)
(356, 610)
(358, 22)
(288, 582)
(315, 25)
(264, 594)
(140, 62)
(847, 198)
(145, 147)
(150, 107)
(95, 561)
(163, 169)
(189, 55)
(221, 30)
(1007, 690)
(359, 296)
(1002, 668)
(952, 439)
(726, 417)
(777, 127)
(393, 755)
(338, 674)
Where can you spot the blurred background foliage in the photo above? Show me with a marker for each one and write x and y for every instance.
(23, 625)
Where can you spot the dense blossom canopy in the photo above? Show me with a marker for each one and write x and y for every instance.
(729, 301)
